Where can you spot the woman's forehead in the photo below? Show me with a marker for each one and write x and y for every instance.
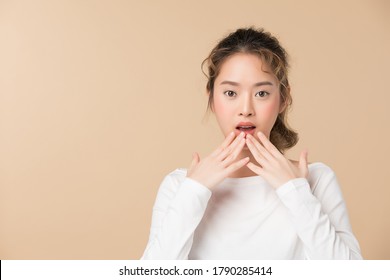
(244, 66)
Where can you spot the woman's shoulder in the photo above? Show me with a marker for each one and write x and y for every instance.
(170, 183)
(315, 166)
(178, 173)
(175, 177)
(322, 179)
(319, 173)
(320, 168)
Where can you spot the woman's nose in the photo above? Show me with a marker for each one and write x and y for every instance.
(246, 107)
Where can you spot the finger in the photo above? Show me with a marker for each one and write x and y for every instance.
(234, 154)
(268, 145)
(237, 165)
(237, 150)
(229, 138)
(195, 159)
(303, 163)
(303, 159)
(261, 149)
(226, 152)
(258, 156)
(194, 162)
(257, 169)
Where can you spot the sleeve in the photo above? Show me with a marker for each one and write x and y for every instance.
(320, 217)
(178, 209)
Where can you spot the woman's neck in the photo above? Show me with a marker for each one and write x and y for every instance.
(244, 171)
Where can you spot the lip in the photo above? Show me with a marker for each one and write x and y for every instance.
(245, 124)
(251, 132)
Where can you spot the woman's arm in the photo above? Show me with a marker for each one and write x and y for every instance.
(178, 209)
(181, 202)
(320, 216)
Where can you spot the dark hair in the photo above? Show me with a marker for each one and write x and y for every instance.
(267, 47)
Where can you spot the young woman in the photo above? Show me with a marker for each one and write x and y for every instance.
(246, 200)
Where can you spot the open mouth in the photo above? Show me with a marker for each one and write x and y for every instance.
(247, 129)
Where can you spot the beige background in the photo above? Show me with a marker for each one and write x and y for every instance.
(99, 100)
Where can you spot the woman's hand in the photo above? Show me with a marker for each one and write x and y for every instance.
(274, 167)
(218, 165)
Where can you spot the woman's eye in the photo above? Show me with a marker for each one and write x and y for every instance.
(262, 93)
(230, 93)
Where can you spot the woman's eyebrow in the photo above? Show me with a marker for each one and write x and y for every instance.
(265, 83)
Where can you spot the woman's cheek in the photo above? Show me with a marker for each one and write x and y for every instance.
(269, 114)
(270, 111)
(220, 109)
(223, 114)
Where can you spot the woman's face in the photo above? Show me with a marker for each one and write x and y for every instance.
(245, 97)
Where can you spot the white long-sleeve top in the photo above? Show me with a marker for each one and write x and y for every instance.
(245, 218)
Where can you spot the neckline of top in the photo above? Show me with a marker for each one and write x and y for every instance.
(246, 180)
(253, 179)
